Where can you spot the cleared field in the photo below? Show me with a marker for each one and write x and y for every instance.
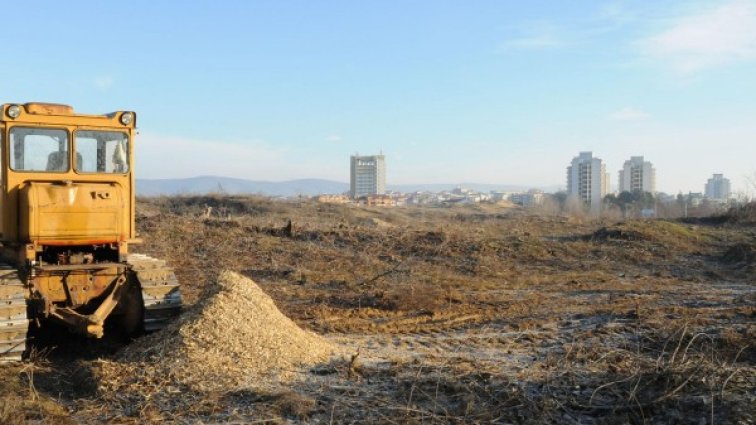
(474, 314)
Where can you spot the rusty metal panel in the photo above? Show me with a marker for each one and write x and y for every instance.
(77, 287)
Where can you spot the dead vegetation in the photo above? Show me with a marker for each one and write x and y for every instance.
(745, 214)
(474, 314)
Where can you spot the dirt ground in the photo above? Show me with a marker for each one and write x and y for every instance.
(471, 314)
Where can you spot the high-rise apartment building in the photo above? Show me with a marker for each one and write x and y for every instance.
(368, 175)
(717, 188)
(637, 175)
(587, 180)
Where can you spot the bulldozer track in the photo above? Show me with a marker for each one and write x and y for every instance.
(339, 321)
(14, 323)
(161, 295)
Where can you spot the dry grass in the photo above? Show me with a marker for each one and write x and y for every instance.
(465, 315)
(21, 402)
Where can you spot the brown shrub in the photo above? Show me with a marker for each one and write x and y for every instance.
(418, 298)
(745, 214)
(294, 404)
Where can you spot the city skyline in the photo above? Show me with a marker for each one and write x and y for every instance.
(491, 92)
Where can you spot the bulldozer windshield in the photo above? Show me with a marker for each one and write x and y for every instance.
(39, 149)
(101, 151)
(47, 149)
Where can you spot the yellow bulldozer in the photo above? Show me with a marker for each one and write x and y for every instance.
(67, 208)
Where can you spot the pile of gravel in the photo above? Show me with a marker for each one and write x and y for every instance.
(235, 337)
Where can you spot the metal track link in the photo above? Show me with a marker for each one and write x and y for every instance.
(14, 323)
(161, 292)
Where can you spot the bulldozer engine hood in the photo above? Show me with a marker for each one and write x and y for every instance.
(63, 213)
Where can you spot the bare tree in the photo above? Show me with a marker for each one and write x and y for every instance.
(750, 191)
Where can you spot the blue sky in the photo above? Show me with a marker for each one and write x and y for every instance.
(478, 91)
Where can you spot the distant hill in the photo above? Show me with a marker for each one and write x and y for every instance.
(308, 187)
(210, 184)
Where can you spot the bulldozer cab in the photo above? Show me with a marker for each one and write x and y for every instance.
(66, 182)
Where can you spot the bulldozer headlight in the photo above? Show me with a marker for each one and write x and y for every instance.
(127, 118)
(14, 111)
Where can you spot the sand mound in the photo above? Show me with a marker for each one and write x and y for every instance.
(235, 337)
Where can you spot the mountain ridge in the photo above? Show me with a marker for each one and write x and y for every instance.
(308, 187)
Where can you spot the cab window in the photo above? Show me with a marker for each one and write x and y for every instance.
(38, 149)
(102, 151)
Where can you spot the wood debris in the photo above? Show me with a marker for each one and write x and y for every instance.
(234, 338)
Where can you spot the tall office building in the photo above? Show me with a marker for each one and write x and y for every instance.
(717, 188)
(368, 175)
(637, 175)
(588, 180)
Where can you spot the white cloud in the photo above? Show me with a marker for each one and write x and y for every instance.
(542, 35)
(628, 114)
(719, 36)
(103, 82)
(334, 138)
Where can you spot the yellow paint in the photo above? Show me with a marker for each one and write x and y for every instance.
(80, 212)
(64, 208)
(48, 109)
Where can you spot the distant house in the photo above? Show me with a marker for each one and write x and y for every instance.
(695, 199)
(497, 195)
(528, 199)
(378, 201)
(333, 199)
